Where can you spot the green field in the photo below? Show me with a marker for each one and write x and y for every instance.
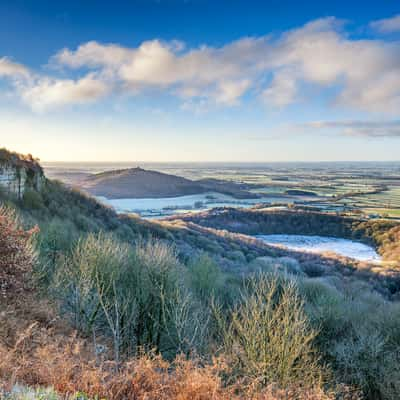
(390, 212)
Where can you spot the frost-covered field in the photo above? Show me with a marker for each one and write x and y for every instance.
(320, 244)
(152, 207)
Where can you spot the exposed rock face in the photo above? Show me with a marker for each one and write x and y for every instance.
(18, 172)
(12, 180)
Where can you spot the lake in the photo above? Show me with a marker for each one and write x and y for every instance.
(320, 244)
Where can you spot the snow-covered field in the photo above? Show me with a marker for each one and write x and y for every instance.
(152, 207)
(320, 244)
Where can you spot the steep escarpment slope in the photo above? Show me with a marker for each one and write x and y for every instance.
(175, 308)
(64, 214)
(116, 307)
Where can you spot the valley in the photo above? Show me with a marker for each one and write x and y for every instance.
(369, 189)
(174, 268)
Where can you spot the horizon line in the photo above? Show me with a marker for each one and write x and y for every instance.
(216, 162)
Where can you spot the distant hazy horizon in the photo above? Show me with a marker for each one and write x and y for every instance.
(217, 163)
(199, 169)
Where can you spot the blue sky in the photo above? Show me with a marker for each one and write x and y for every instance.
(200, 80)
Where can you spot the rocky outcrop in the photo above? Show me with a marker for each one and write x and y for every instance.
(19, 172)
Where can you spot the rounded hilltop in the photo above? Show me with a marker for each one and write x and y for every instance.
(139, 183)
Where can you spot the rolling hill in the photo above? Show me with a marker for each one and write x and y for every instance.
(141, 183)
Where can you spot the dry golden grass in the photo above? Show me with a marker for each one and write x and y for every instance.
(45, 353)
(39, 349)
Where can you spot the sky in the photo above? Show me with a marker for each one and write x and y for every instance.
(200, 80)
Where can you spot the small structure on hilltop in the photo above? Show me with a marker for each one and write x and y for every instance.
(19, 172)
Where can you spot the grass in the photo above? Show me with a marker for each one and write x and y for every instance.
(158, 324)
(144, 284)
(391, 212)
(46, 354)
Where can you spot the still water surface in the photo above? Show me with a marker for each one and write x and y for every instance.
(320, 244)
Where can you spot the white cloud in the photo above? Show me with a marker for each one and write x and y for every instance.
(389, 128)
(93, 54)
(47, 93)
(217, 73)
(387, 25)
(363, 73)
(377, 94)
(152, 63)
(229, 91)
(11, 69)
(282, 90)
(42, 92)
(319, 53)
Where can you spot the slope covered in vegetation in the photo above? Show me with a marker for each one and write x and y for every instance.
(119, 308)
(118, 357)
(383, 234)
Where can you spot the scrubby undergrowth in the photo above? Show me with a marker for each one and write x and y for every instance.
(126, 309)
(40, 349)
(383, 234)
